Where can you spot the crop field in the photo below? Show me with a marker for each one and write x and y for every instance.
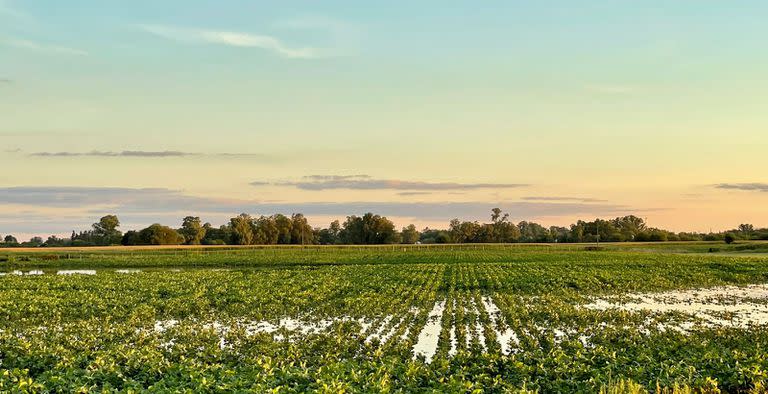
(475, 318)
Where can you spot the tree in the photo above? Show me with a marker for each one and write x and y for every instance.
(33, 242)
(558, 234)
(301, 231)
(130, 238)
(369, 229)
(629, 226)
(501, 230)
(192, 230)
(284, 227)
(410, 235)
(330, 235)
(158, 234)
(746, 230)
(216, 236)
(729, 238)
(242, 229)
(533, 232)
(442, 238)
(105, 230)
(462, 232)
(266, 231)
(55, 241)
(10, 239)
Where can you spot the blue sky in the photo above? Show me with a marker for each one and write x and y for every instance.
(646, 106)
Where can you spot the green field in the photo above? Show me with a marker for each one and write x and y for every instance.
(484, 318)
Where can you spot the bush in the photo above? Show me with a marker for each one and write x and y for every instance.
(729, 239)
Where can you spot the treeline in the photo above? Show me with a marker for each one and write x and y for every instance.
(371, 229)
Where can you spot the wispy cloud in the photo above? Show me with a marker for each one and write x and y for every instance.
(562, 198)
(324, 178)
(115, 154)
(43, 48)
(140, 153)
(232, 39)
(756, 186)
(365, 182)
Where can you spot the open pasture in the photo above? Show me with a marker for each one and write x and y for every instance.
(384, 319)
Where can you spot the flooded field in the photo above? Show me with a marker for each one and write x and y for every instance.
(557, 322)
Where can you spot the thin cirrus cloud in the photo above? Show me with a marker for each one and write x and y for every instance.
(43, 48)
(562, 198)
(754, 186)
(127, 153)
(365, 182)
(144, 154)
(232, 39)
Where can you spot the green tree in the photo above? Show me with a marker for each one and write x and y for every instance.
(330, 235)
(284, 229)
(105, 231)
(746, 230)
(266, 231)
(130, 238)
(410, 235)
(501, 230)
(242, 229)
(55, 241)
(10, 239)
(158, 234)
(33, 242)
(192, 230)
(301, 231)
(369, 229)
(216, 236)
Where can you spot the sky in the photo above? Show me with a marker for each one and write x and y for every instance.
(422, 111)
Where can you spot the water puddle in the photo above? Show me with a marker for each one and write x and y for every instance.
(426, 344)
(726, 306)
(22, 273)
(76, 272)
(504, 337)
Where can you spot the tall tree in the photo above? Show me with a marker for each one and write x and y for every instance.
(301, 231)
(266, 231)
(105, 230)
(242, 229)
(746, 230)
(369, 229)
(330, 235)
(284, 228)
(192, 230)
(410, 235)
